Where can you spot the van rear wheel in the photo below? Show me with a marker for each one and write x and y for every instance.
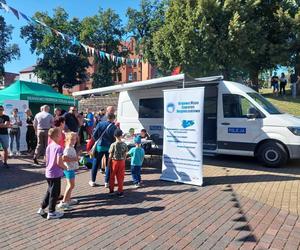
(272, 154)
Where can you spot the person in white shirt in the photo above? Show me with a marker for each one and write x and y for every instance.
(70, 159)
(15, 131)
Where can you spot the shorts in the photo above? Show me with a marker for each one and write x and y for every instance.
(275, 86)
(70, 174)
(4, 141)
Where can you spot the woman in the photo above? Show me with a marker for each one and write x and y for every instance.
(59, 122)
(15, 131)
(30, 133)
(283, 82)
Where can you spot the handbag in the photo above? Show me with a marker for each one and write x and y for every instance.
(94, 148)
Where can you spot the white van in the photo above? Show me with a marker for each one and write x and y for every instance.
(237, 120)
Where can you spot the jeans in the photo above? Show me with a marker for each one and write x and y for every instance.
(97, 162)
(15, 133)
(136, 173)
(52, 194)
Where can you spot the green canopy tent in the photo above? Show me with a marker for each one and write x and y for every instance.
(37, 95)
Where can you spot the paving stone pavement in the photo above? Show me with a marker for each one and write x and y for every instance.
(241, 206)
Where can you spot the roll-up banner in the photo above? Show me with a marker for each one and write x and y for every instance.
(183, 135)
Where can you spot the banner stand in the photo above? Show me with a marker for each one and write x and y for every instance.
(183, 136)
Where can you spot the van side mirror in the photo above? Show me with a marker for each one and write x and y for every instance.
(252, 113)
(251, 116)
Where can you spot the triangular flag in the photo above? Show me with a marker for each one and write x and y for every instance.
(24, 16)
(84, 46)
(5, 7)
(107, 56)
(56, 32)
(40, 22)
(92, 50)
(16, 12)
(123, 60)
(102, 54)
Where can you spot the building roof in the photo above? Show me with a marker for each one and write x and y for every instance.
(28, 70)
(180, 79)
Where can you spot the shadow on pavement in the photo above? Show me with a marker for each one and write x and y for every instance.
(250, 163)
(17, 176)
(237, 179)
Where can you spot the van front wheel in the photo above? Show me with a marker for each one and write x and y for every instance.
(272, 154)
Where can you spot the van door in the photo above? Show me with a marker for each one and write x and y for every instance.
(237, 130)
(210, 118)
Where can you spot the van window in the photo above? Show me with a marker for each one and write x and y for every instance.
(269, 107)
(151, 108)
(237, 106)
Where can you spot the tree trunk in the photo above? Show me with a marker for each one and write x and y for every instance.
(60, 88)
(254, 79)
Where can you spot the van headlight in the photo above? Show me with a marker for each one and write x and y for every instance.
(295, 130)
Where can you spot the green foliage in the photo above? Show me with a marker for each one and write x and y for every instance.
(143, 23)
(8, 52)
(60, 63)
(103, 31)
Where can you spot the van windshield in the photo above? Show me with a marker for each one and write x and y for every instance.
(269, 107)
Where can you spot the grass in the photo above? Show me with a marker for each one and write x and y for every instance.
(287, 104)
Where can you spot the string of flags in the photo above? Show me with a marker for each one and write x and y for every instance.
(73, 40)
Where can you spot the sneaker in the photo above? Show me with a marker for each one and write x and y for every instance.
(106, 185)
(137, 185)
(120, 194)
(64, 206)
(41, 211)
(54, 215)
(73, 202)
(92, 183)
(5, 165)
(18, 153)
(11, 154)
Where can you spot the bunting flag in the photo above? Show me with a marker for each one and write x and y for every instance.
(73, 40)
(24, 16)
(16, 13)
(5, 7)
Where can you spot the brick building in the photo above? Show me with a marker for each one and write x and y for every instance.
(8, 79)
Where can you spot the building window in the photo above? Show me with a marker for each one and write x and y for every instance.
(130, 77)
(114, 77)
(151, 108)
(120, 77)
(29, 76)
(134, 76)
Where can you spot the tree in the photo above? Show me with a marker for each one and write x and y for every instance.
(226, 37)
(104, 32)
(60, 62)
(143, 23)
(8, 52)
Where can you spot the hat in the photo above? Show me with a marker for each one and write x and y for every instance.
(118, 132)
(138, 140)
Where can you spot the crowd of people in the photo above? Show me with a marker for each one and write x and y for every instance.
(279, 84)
(57, 138)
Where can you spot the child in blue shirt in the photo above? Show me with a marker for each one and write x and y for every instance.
(137, 154)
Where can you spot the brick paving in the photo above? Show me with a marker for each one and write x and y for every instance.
(241, 206)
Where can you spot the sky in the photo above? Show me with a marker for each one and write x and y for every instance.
(75, 8)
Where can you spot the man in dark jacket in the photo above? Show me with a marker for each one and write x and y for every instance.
(105, 131)
(72, 123)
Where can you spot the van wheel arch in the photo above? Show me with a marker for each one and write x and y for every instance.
(272, 143)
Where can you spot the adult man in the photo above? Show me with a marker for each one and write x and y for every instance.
(89, 118)
(72, 123)
(109, 110)
(4, 140)
(99, 117)
(57, 112)
(293, 80)
(43, 121)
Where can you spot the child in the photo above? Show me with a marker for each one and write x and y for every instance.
(137, 157)
(117, 157)
(70, 159)
(54, 172)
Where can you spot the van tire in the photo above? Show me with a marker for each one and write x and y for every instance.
(272, 154)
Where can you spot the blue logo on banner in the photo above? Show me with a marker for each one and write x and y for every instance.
(170, 107)
(237, 130)
(155, 127)
(187, 123)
